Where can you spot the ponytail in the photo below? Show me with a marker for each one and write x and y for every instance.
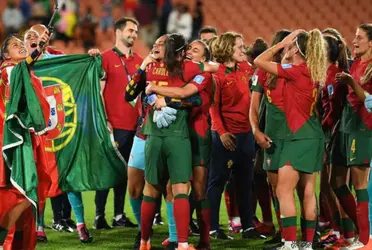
(337, 52)
(316, 56)
(342, 61)
(367, 74)
(174, 47)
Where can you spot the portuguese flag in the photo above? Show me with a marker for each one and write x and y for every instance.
(79, 146)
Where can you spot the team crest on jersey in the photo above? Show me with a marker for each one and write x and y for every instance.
(268, 161)
(63, 115)
(137, 66)
(244, 79)
(330, 89)
(199, 79)
(230, 163)
(254, 80)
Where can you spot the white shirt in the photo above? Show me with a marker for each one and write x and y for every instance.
(12, 18)
(180, 24)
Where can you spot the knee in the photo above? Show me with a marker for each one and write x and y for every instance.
(135, 193)
(308, 193)
(199, 191)
(282, 192)
(180, 188)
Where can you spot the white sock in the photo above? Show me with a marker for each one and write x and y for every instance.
(337, 233)
(236, 220)
(184, 245)
(291, 244)
(321, 224)
(97, 217)
(350, 240)
(118, 217)
(40, 229)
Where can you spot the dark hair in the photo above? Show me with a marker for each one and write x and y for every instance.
(122, 22)
(367, 27)
(4, 47)
(208, 29)
(337, 52)
(332, 31)
(278, 37)
(175, 45)
(343, 49)
(256, 48)
(367, 76)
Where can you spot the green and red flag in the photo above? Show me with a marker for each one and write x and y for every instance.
(78, 141)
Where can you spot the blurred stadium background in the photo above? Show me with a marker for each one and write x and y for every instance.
(88, 23)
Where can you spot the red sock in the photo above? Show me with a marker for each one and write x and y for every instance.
(347, 202)
(308, 230)
(289, 231)
(227, 203)
(362, 215)
(263, 194)
(203, 211)
(148, 209)
(325, 209)
(181, 212)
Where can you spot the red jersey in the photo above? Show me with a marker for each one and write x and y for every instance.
(52, 50)
(275, 121)
(246, 67)
(300, 96)
(333, 97)
(230, 112)
(199, 116)
(180, 126)
(357, 71)
(118, 71)
(274, 96)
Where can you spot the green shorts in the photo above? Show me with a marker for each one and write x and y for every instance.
(167, 157)
(258, 162)
(272, 155)
(337, 149)
(201, 148)
(304, 155)
(358, 148)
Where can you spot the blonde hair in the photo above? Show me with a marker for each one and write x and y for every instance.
(224, 46)
(367, 27)
(314, 48)
(212, 44)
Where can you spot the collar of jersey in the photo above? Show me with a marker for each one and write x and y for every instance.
(117, 51)
(230, 69)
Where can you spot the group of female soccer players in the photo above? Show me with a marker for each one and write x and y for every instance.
(200, 106)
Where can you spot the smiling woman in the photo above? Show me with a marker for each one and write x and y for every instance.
(14, 205)
(232, 139)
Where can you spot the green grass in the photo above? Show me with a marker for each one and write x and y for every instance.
(123, 238)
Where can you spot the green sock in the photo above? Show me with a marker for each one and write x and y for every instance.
(3, 234)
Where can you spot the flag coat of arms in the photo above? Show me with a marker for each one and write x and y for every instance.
(81, 153)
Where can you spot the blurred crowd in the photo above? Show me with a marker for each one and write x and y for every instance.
(80, 25)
